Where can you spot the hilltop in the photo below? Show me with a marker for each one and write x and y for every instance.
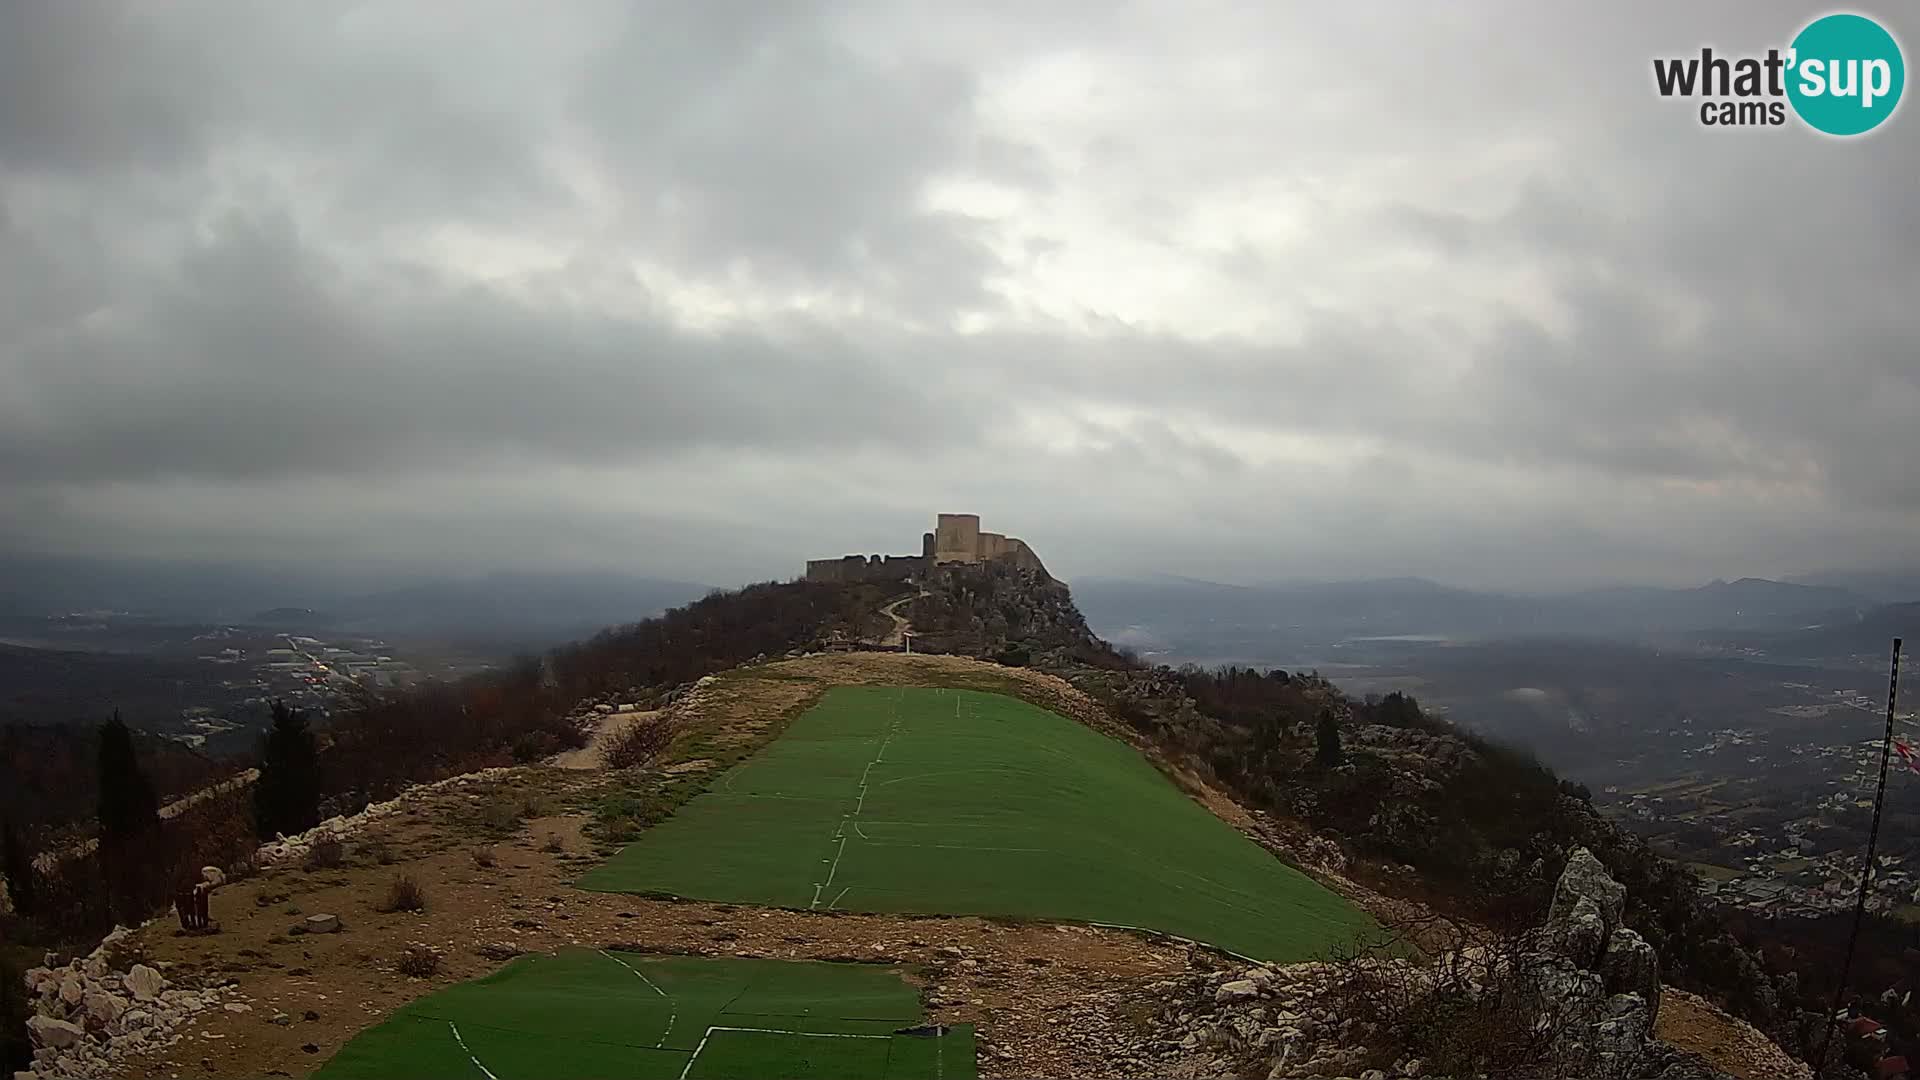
(1427, 828)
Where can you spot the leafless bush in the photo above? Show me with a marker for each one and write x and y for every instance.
(325, 854)
(1475, 1010)
(637, 744)
(554, 844)
(404, 894)
(419, 962)
(483, 858)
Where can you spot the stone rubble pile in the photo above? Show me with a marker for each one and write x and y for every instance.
(90, 1014)
(1589, 982)
(342, 827)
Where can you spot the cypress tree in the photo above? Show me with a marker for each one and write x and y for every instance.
(18, 866)
(16, 1047)
(286, 798)
(131, 854)
(1327, 734)
(128, 807)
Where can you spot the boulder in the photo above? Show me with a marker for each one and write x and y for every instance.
(57, 1034)
(1631, 966)
(144, 983)
(1586, 878)
(71, 991)
(1236, 990)
(321, 924)
(103, 1006)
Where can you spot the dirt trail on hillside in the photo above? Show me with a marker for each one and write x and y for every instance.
(898, 635)
(593, 755)
(1728, 1044)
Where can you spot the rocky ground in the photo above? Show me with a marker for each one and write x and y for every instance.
(280, 987)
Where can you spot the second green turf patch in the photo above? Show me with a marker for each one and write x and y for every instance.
(895, 799)
(589, 1015)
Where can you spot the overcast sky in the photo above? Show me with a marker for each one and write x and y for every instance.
(702, 289)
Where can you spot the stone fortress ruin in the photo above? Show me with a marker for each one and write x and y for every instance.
(956, 539)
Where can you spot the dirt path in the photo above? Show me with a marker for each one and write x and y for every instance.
(593, 755)
(1730, 1045)
(898, 635)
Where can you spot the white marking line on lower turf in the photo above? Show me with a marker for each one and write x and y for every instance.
(837, 899)
(764, 1031)
(673, 1009)
(488, 1073)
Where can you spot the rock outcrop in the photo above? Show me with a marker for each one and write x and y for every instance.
(91, 1013)
(1576, 998)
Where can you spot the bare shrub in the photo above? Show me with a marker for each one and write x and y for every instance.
(554, 844)
(500, 813)
(620, 830)
(326, 853)
(1474, 1010)
(483, 858)
(377, 851)
(404, 894)
(637, 744)
(419, 962)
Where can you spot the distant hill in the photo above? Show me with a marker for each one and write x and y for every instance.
(1139, 612)
(530, 609)
(1865, 637)
(1879, 586)
(498, 610)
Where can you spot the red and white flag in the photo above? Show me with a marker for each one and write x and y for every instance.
(1908, 756)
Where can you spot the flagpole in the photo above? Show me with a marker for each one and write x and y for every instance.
(1866, 875)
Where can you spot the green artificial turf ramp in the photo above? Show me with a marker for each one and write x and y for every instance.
(957, 802)
(588, 1015)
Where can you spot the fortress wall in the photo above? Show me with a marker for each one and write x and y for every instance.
(863, 568)
(1019, 554)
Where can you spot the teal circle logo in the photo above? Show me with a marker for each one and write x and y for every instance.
(1846, 74)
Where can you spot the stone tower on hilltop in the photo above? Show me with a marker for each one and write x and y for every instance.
(956, 539)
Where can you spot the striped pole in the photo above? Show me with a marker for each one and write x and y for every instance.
(1866, 876)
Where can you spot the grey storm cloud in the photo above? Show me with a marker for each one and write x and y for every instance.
(1243, 290)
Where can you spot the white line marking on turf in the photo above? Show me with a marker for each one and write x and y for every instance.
(488, 1073)
(842, 896)
(764, 1031)
(860, 804)
(673, 1009)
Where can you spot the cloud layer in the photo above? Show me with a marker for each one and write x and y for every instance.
(701, 290)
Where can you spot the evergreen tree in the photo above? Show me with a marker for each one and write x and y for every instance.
(131, 853)
(128, 808)
(16, 1047)
(18, 866)
(1327, 734)
(286, 798)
